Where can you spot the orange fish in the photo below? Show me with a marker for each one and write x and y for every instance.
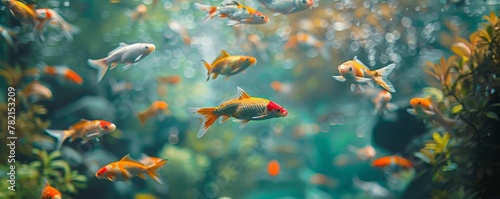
(423, 107)
(226, 64)
(22, 12)
(172, 79)
(36, 91)
(273, 168)
(127, 168)
(152, 111)
(367, 152)
(64, 72)
(242, 107)
(140, 13)
(382, 104)
(49, 192)
(237, 12)
(389, 161)
(358, 73)
(84, 129)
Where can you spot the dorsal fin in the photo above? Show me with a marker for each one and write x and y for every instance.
(32, 7)
(223, 54)
(120, 46)
(242, 94)
(127, 158)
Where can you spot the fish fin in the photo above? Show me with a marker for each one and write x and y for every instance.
(380, 77)
(242, 94)
(260, 116)
(32, 7)
(370, 83)
(377, 109)
(208, 67)
(361, 87)
(208, 116)
(126, 67)
(101, 66)
(60, 136)
(353, 86)
(223, 118)
(94, 133)
(411, 111)
(276, 14)
(142, 118)
(138, 58)
(84, 141)
(215, 75)
(152, 171)
(429, 112)
(69, 30)
(243, 123)
(223, 54)
(211, 11)
(355, 59)
(233, 23)
(144, 159)
(362, 79)
(45, 185)
(110, 178)
(127, 158)
(113, 65)
(73, 76)
(392, 107)
(141, 175)
(339, 78)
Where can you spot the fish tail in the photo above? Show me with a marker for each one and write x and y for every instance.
(101, 66)
(211, 10)
(208, 116)
(403, 162)
(69, 30)
(209, 68)
(73, 76)
(142, 118)
(380, 77)
(60, 136)
(152, 171)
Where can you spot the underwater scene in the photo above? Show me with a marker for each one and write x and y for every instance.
(249, 99)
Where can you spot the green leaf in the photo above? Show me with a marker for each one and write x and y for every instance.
(54, 155)
(456, 109)
(60, 164)
(492, 115)
(80, 178)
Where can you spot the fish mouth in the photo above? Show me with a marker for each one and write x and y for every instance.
(152, 48)
(285, 113)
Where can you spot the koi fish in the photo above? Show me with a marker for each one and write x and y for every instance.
(139, 14)
(127, 168)
(51, 17)
(391, 161)
(22, 12)
(382, 104)
(49, 192)
(63, 72)
(237, 12)
(36, 91)
(152, 111)
(307, 41)
(358, 73)
(424, 108)
(228, 65)
(287, 6)
(273, 168)
(124, 54)
(7, 35)
(84, 129)
(242, 107)
(172, 79)
(364, 153)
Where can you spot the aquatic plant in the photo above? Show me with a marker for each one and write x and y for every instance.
(470, 84)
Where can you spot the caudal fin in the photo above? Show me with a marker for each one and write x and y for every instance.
(211, 10)
(208, 67)
(380, 77)
(142, 118)
(207, 114)
(101, 66)
(60, 136)
(69, 30)
(152, 171)
(73, 76)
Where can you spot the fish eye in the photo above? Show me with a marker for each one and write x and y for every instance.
(304, 1)
(262, 17)
(279, 110)
(418, 103)
(350, 68)
(247, 60)
(106, 127)
(147, 47)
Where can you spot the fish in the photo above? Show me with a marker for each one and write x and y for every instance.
(49, 192)
(119, 87)
(228, 65)
(382, 104)
(306, 40)
(281, 87)
(139, 14)
(152, 111)
(36, 91)
(148, 160)
(124, 54)
(364, 153)
(181, 30)
(391, 161)
(127, 168)
(7, 35)
(85, 129)
(171, 79)
(64, 72)
(242, 107)
(287, 6)
(51, 17)
(273, 168)
(237, 12)
(424, 108)
(26, 14)
(372, 189)
(358, 73)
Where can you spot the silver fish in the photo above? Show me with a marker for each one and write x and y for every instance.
(287, 6)
(124, 54)
(237, 12)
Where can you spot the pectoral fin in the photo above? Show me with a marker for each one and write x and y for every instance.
(141, 175)
(260, 116)
(339, 78)
(362, 79)
(138, 58)
(126, 67)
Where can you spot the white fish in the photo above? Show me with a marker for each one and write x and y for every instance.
(124, 54)
(287, 6)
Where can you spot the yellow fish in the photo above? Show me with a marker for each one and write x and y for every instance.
(226, 64)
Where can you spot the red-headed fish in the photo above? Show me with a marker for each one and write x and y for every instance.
(358, 73)
(63, 72)
(84, 129)
(243, 107)
(237, 12)
(49, 192)
(390, 161)
(127, 168)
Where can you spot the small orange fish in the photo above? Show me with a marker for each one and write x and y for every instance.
(22, 12)
(140, 13)
(367, 152)
(172, 79)
(237, 12)
(36, 91)
(423, 107)
(84, 129)
(273, 168)
(307, 41)
(242, 107)
(64, 72)
(389, 161)
(152, 111)
(226, 64)
(49, 192)
(127, 168)
(358, 73)
(382, 104)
